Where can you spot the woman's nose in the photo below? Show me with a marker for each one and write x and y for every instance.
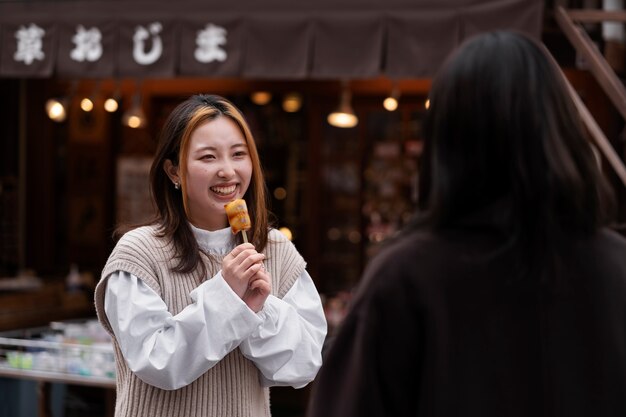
(226, 170)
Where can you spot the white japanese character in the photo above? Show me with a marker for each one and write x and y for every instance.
(208, 43)
(88, 44)
(140, 37)
(29, 44)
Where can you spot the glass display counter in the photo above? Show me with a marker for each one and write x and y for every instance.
(72, 353)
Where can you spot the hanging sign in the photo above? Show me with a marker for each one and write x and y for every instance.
(28, 49)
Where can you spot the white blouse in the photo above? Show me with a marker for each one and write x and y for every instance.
(284, 340)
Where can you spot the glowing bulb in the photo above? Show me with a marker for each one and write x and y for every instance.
(261, 98)
(292, 102)
(340, 119)
(427, 104)
(86, 104)
(134, 117)
(285, 231)
(354, 236)
(344, 116)
(134, 122)
(111, 105)
(56, 110)
(390, 104)
(280, 193)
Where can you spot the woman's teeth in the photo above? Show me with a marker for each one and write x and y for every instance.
(224, 190)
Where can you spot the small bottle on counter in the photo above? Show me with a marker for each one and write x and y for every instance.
(73, 281)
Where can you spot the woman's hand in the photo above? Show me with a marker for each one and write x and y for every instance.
(259, 289)
(240, 267)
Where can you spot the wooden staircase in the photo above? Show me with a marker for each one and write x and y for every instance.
(570, 21)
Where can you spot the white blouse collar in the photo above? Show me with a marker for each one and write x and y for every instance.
(219, 242)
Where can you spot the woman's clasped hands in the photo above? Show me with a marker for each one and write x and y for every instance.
(244, 271)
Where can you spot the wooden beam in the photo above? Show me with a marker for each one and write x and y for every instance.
(605, 75)
(597, 16)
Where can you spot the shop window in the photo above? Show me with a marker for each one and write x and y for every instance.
(369, 177)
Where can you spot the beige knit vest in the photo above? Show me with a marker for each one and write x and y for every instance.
(229, 389)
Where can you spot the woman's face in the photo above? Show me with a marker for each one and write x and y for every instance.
(219, 170)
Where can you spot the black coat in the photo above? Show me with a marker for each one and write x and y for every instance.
(440, 327)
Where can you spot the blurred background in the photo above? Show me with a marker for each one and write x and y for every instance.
(335, 93)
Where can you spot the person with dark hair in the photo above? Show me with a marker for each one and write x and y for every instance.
(203, 323)
(506, 295)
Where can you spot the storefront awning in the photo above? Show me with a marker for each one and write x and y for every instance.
(272, 39)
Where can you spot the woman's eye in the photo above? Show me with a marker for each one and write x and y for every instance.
(239, 154)
(207, 157)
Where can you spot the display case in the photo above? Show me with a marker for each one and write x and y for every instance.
(73, 352)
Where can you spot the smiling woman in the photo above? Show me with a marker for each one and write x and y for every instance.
(203, 132)
(201, 321)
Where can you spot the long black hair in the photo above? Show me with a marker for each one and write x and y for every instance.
(503, 131)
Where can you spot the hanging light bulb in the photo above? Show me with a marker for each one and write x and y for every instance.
(391, 102)
(112, 103)
(344, 115)
(261, 98)
(280, 193)
(292, 102)
(57, 109)
(86, 104)
(134, 117)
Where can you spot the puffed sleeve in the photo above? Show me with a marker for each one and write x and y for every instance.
(287, 346)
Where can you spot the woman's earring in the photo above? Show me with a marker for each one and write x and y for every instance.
(177, 185)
